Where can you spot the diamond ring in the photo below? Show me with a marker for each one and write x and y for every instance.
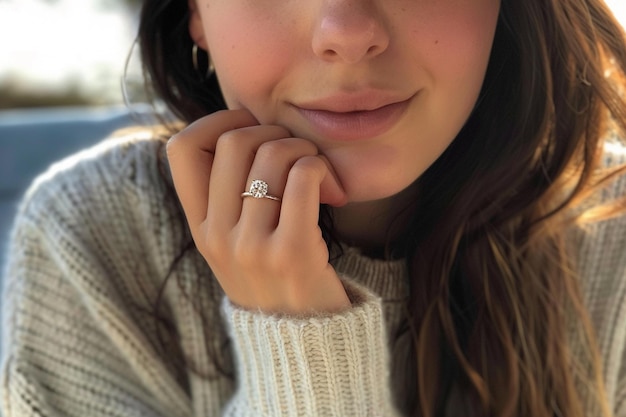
(258, 189)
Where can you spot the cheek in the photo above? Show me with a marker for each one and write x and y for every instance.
(461, 40)
(456, 46)
(249, 55)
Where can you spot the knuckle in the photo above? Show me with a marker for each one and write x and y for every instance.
(173, 145)
(269, 150)
(307, 167)
(286, 146)
(228, 141)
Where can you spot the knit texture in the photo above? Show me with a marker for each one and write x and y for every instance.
(99, 232)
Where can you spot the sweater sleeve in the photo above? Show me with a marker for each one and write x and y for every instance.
(331, 366)
(89, 249)
(57, 359)
(68, 345)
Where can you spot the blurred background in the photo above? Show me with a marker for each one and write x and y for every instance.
(72, 52)
(64, 52)
(61, 64)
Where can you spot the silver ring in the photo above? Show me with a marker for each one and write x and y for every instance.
(258, 189)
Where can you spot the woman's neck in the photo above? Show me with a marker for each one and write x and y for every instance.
(372, 225)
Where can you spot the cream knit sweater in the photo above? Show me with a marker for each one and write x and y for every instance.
(94, 239)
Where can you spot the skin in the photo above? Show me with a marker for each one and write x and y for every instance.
(274, 57)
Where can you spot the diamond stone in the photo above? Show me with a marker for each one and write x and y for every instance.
(258, 188)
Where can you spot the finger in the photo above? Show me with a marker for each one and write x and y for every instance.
(272, 164)
(234, 154)
(302, 196)
(190, 156)
(331, 190)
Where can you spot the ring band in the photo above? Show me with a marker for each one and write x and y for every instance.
(258, 189)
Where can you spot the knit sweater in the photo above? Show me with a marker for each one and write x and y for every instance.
(92, 244)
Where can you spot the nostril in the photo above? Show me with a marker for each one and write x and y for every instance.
(349, 36)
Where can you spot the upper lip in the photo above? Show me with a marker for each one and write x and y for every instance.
(353, 101)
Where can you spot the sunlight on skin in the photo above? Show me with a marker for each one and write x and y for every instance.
(46, 46)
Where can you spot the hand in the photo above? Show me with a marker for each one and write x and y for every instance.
(267, 255)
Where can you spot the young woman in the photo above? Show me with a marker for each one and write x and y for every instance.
(372, 208)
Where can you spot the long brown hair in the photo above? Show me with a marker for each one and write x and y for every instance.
(497, 288)
(494, 291)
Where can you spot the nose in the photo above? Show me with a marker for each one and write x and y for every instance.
(349, 31)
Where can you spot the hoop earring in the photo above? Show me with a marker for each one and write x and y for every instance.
(196, 65)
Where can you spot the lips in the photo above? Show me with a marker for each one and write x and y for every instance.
(357, 117)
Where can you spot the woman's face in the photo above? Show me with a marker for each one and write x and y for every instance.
(382, 87)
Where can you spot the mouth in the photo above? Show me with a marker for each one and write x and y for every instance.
(353, 118)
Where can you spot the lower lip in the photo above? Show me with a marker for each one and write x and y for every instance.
(358, 125)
